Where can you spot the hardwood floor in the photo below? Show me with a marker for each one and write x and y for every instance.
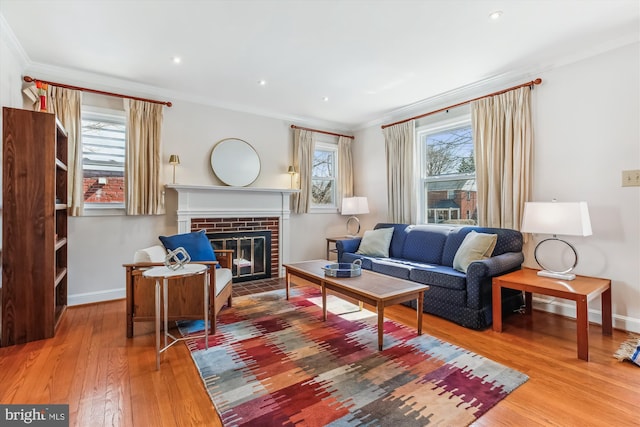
(109, 380)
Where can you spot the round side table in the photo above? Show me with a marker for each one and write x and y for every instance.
(166, 274)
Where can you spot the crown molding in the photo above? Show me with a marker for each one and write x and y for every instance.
(497, 82)
(7, 34)
(113, 84)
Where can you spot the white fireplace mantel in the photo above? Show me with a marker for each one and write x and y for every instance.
(211, 201)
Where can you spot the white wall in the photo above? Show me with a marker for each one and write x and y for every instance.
(587, 130)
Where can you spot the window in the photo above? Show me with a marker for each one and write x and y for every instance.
(448, 182)
(323, 176)
(103, 156)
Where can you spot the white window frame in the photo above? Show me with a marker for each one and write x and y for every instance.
(421, 133)
(326, 144)
(100, 209)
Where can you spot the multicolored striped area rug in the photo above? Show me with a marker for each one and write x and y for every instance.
(275, 362)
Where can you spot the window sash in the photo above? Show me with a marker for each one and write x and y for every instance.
(454, 200)
(326, 177)
(103, 152)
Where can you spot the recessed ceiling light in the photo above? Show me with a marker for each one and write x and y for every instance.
(496, 15)
(176, 60)
(325, 98)
(262, 82)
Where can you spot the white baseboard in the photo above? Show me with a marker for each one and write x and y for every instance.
(568, 309)
(92, 297)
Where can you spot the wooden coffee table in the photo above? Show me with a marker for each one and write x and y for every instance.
(376, 289)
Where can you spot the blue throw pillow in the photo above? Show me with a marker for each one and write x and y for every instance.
(195, 243)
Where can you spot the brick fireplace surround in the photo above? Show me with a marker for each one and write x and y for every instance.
(233, 224)
(229, 209)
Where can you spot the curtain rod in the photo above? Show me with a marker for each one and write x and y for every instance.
(322, 131)
(30, 79)
(530, 84)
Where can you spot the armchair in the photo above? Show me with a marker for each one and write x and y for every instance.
(185, 297)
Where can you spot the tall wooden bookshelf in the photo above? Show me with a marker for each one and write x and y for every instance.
(34, 225)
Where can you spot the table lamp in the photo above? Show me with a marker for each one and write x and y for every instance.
(571, 219)
(354, 206)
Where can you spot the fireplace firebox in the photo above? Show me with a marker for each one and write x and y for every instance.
(251, 253)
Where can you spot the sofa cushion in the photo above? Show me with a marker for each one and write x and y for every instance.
(376, 242)
(195, 243)
(439, 275)
(391, 267)
(474, 247)
(424, 243)
(400, 232)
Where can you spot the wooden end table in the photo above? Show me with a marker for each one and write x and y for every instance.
(333, 240)
(581, 290)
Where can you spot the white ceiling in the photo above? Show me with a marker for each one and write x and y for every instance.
(370, 58)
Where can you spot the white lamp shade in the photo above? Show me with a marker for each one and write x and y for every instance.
(571, 219)
(355, 206)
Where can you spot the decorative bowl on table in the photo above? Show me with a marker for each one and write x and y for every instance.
(343, 269)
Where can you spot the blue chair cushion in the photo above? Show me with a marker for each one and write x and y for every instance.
(195, 243)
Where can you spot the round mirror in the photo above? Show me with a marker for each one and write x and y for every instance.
(235, 162)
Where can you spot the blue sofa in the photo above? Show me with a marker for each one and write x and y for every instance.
(425, 254)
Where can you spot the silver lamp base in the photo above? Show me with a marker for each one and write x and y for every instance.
(562, 275)
(350, 226)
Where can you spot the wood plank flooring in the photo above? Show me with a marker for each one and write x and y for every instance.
(109, 380)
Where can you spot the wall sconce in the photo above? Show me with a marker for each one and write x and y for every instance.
(174, 160)
(570, 219)
(291, 171)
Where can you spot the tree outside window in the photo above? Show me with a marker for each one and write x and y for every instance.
(323, 180)
(448, 183)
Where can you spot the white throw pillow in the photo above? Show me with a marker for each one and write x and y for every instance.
(474, 247)
(152, 254)
(376, 242)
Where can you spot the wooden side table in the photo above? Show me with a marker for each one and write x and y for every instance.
(581, 290)
(333, 240)
(166, 274)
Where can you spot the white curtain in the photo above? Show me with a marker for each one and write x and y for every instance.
(66, 104)
(303, 164)
(142, 170)
(400, 153)
(345, 168)
(503, 139)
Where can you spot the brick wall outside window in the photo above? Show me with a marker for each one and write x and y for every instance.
(111, 191)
